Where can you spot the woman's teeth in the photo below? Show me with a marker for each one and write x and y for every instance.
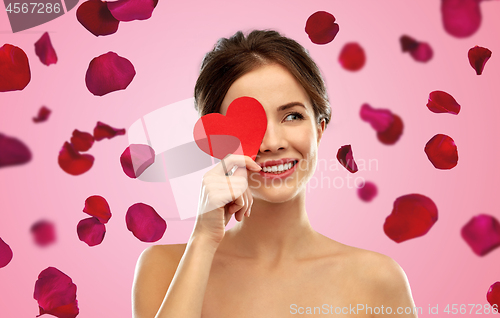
(279, 168)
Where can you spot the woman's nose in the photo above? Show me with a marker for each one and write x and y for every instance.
(273, 140)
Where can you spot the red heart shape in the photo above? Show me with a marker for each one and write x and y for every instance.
(245, 124)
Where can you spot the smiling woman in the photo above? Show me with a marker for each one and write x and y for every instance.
(272, 263)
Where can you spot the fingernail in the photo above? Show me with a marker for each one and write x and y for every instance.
(249, 210)
(256, 167)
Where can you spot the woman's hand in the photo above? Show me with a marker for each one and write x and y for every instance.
(222, 196)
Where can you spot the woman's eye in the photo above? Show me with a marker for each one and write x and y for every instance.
(294, 116)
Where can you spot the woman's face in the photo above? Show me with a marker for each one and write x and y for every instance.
(292, 136)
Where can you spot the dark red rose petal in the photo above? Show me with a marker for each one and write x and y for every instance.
(379, 119)
(352, 57)
(143, 221)
(43, 115)
(321, 27)
(408, 43)
(5, 253)
(108, 73)
(461, 18)
(15, 71)
(45, 51)
(129, 10)
(98, 206)
(442, 151)
(43, 232)
(493, 297)
(442, 102)
(94, 15)
(56, 294)
(478, 56)
(102, 131)
(345, 157)
(391, 135)
(13, 151)
(413, 215)
(368, 191)
(420, 51)
(72, 162)
(136, 158)
(81, 141)
(91, 231)
(482, 233)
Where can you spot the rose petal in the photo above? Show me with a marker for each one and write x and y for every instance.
(461, 18)
(352, 57)
(45, 51)
(15, 71)
(413, 215)
(143, 221)
(391, 135)
(368, 191)
(81, 141)
(136, 158)
(72, 162)
(56, 294)
(408, 43)
(345, 157)
(13, 151)
(423, 52)
(482, 233)
(108, 73)
(94, 15)
(43, 232)
(493, 296)
(98, 206)
(321, 27)
(478, 56)
(102, 131)
(442, 102)
(129, 10)
(43, 115)
(91, 231)
(379, 119)
(5, 253)
(442, 151)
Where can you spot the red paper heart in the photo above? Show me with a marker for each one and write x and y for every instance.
(245, 124)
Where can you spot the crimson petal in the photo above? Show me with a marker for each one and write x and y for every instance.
(442, 152)
(56, 294)
(108, 73)
(461, 18)
(368, 191)
(129, 10)
(13, 151)
(43, 115)
(420, 51)
(102, 131)
(478, 56)
(321, 27)
(72, 162)
(352, 57)
(392, 134)
(442, 102)
(94, 15)
(136, 158)
(408, 43)
(5, 253)
(482, 233)
(43, 232)
(493, 296)
(91, 231)
(15, 71)
(98, 206)
(345, 157)
(81, 141)
(143, 221)
(45, 51)
(413, 215)
(379, 119)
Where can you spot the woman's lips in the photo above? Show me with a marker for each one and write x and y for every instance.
(273, 175)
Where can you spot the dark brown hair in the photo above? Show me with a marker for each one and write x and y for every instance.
(232, 58)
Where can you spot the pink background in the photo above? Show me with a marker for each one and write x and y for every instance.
(166, 51)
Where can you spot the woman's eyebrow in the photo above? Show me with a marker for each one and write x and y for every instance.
(289, 105)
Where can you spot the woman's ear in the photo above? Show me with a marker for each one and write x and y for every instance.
(321, 129)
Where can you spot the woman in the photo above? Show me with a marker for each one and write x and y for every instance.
(272, 264)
